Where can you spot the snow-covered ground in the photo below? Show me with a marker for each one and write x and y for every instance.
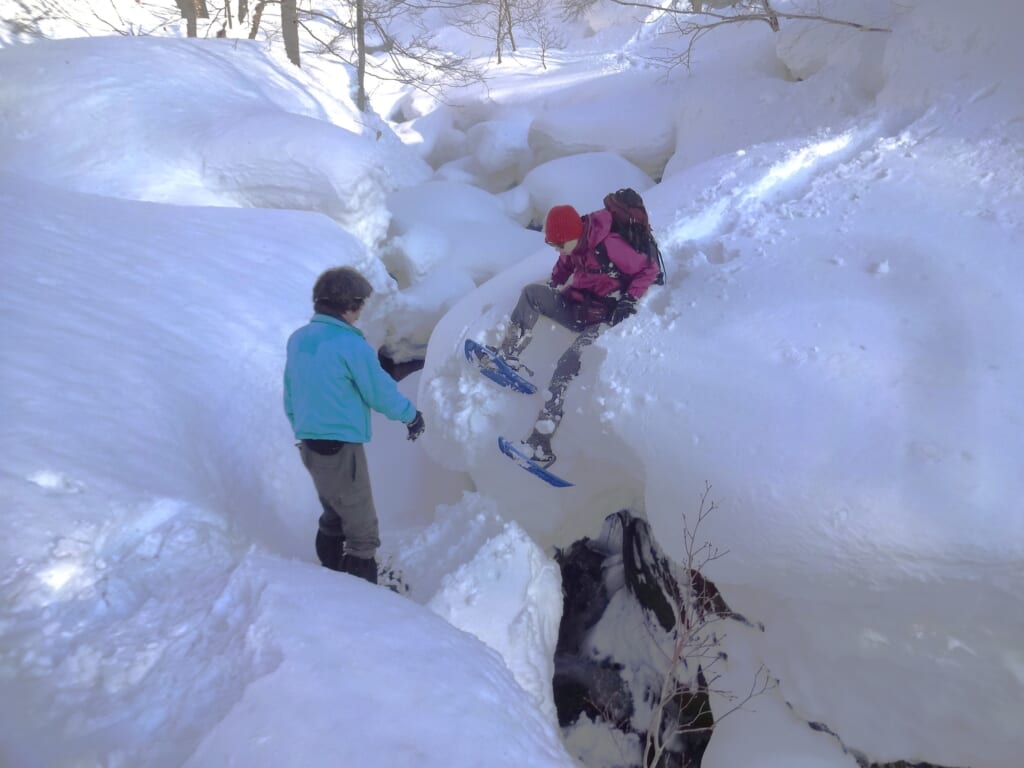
(836, 353)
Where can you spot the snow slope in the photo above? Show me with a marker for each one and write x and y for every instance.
(835, 354)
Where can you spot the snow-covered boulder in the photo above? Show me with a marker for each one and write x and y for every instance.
(161, 138)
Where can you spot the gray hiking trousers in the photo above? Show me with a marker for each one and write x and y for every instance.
(342, 482)
(539, 299)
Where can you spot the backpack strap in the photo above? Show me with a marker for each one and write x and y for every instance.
(608, 268)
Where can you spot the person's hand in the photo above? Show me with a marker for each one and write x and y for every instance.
(625, 307)
(416, 426)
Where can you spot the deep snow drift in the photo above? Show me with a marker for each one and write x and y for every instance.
(836, 353)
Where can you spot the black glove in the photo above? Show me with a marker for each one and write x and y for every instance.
(625, 307)
(416, 426)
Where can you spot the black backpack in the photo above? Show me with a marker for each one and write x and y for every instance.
(630, 222)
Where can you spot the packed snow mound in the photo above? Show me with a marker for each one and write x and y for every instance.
(188, 148)
(148, 454)
(830, 356)
(578, 120)
(762, 103)
(510, 596)
(384, 716)
(594, 174)
(186, 337)
(110, 611)
(860, 430)
(499, 148)
(445, 238)
(835, 353)
(445, 226)
(492, 155)
(968, 63)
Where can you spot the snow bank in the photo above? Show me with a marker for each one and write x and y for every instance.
(510, 596)
(578, 120)
(834, 353)
(147, 351)
(831, 356)
(593, 175)
(147, 452)
(445, 699)
(443, 226)
(838, 342)
(269, 138)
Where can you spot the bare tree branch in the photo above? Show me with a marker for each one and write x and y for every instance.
(683, 705)
(365, 36)
(693, 20)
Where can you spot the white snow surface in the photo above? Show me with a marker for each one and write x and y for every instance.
(836, 353)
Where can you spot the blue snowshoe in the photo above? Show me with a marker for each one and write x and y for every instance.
(514, 452)
(496, 369)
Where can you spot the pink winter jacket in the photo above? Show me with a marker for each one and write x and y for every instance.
(584, 268)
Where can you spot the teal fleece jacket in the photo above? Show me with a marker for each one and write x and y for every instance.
(332, 379)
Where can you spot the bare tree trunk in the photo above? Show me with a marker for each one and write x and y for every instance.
(227, 12)
(191, 10)
(537, 27)
(499, 35)
(360, 57)
(256, 16)
(188, 13)
(243, 10)
(370, 28)
(290, 30)
(508, 23)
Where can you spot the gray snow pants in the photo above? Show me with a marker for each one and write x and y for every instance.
(539, 299)
(342, 482)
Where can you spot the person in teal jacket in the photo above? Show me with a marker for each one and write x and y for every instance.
(332, 379)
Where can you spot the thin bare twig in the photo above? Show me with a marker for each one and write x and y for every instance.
(699, 608)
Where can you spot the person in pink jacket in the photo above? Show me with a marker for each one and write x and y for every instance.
(596, 282)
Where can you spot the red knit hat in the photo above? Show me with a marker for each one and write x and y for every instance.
(563, 224)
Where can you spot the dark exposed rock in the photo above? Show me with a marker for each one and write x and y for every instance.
(582, 579)
(622, 600)
(397, 371)
(648, 575)
(710, 600)
(594, 688)
(862, 760)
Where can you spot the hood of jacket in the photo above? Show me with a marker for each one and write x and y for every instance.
(598, 225)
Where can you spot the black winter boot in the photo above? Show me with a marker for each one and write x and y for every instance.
(328, 549)
(363, 567)
(516, 340)
(538, 447)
